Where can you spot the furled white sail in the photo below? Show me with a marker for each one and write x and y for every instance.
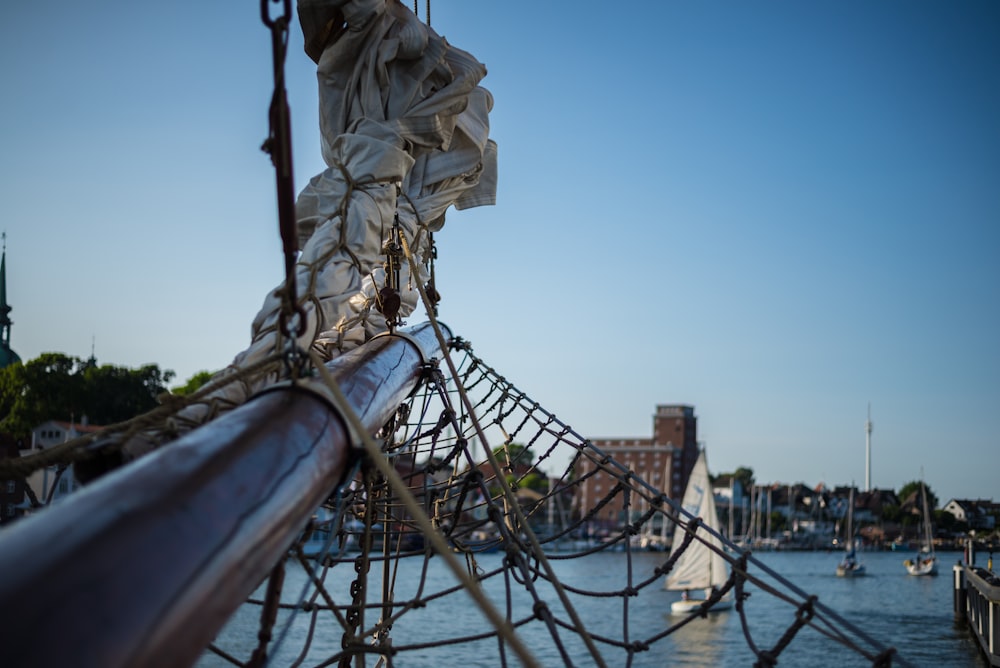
(699, 567)
(405, 135)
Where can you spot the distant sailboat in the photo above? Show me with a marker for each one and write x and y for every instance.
(850, 566)
(701, 565)
(926, 561)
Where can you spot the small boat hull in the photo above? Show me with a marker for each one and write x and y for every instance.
(688, 606)
(848, 571)
(921, 567)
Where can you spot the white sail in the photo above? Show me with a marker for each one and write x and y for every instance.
(699, 567)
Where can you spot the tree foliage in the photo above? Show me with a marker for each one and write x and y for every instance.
(745, 476)
(55, 386)
(514, 454)
(914, 486)
(193, 383)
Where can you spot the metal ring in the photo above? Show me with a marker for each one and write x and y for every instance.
(407, 337)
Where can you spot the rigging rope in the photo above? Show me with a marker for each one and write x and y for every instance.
(434, 487)
(421, 482)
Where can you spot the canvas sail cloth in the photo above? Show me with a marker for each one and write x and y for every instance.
(699, 567)
(405, 131)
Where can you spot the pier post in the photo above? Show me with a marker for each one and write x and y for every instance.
(960, 597)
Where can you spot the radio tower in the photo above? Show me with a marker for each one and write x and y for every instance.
(868, 450)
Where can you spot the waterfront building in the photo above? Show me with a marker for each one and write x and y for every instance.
(49, 484)
(12, 491)
(870, 506)
(978, 514)
(664, 461)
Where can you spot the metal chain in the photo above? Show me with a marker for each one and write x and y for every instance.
(351, 642)
(427, 18)
(292, 318)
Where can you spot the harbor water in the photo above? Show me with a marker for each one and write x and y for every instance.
(911, 614)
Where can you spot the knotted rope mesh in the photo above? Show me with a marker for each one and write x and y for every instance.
(369, 587)
(485, 471)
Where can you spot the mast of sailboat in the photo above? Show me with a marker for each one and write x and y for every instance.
(664, 524)
(928, 539)
(769, 490)
(849, 534)
(868, 450)
(732, 498)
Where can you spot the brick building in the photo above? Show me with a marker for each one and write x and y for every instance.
(663, 461)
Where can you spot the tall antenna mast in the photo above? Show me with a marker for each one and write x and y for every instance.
(868, 450)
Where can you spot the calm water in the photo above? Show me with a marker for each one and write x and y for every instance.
(914, 615)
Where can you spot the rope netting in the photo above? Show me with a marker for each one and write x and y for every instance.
(495, 475)
(475, 527)
(462, 537)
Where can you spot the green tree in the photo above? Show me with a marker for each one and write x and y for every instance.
(891, 513)
(115, 393)
(745, 476)
(534, 480)
(914, 486)
(945, 521)
(45, 388)
(514, 458)
(514, 454)
(55, 386)
(193, 383)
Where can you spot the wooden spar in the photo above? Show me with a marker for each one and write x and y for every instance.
(144, 566)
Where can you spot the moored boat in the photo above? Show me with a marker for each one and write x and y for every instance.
(925, 563)
(850, 566)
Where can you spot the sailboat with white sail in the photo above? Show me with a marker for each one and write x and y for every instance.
(850, 566)
(925, 562)
(701, 565)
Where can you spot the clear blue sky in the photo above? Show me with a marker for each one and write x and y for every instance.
(776, 212)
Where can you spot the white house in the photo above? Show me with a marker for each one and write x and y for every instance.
(978, 513)
(48, 484)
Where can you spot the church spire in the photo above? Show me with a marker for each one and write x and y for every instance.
(7, 356)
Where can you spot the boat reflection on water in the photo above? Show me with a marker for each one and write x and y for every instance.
(701, 642)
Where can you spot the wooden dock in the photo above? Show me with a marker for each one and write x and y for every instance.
(977, 602)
